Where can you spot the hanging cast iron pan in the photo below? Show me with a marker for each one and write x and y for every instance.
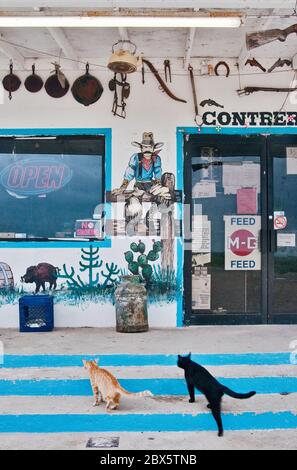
(53, 86)
(33, 83)
(11, 82)
(87, 89)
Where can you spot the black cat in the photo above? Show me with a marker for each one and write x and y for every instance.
(198, 377)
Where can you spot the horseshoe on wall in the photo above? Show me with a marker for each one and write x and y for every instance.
(219, 64)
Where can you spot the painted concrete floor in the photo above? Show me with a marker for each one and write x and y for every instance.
(200, 339)
(46, 403)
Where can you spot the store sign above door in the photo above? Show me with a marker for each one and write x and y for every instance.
(35, 176)
(246, 118)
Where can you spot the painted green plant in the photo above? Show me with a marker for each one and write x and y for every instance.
(90, 263)
(140, 262)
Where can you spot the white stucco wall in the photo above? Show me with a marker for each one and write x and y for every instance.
(148, 109)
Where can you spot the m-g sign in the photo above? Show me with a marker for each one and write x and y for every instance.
(242, 242)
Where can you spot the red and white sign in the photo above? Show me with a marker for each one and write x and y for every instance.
(279, 220)
(242, 242)
(88, 228)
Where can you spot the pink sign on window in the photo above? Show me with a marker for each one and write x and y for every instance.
(247, 201)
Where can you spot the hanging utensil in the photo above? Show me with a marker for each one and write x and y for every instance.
(11, 82)
(112, 83)
(167, 70)
(122, 86)
(123, 58)
(60, 74)
(163, 86)
(125, 87)
(196, 108)
(33, 83)
(56, 85)
(87, 89)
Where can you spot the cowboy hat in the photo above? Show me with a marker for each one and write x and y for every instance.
(148, 141)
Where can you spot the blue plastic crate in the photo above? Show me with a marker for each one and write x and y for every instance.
(36, 313)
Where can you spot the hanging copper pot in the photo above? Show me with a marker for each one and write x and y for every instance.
(87, 89)
(33, 83)
(57, 85)
(11, 82)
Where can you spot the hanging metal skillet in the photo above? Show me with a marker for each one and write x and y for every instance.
(11, 82)
(33, 82)
(57, 85)
(87, 89)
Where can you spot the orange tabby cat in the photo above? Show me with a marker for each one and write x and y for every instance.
(106, 387)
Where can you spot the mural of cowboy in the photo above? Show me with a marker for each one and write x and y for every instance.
(145, 167)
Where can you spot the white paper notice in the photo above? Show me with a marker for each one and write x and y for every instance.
(202, 258)
(291, 160)
(201, 292)
(286, 239)
(204, 188)
(240, 175)
(201, 234)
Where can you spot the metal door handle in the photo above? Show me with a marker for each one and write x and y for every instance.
(270, 241)
(272, 244)
(260, 240)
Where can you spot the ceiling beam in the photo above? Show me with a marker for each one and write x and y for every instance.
(63, 42)
(189, 47)
(96, 4)
(12, 53)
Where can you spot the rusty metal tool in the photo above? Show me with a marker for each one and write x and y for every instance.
(167, 70)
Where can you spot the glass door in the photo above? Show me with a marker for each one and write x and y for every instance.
(282, 229)
(225, 272)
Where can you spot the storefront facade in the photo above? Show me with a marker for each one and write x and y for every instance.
(226, 262)
(240, 187)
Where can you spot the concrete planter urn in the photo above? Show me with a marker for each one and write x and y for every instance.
(131, 305)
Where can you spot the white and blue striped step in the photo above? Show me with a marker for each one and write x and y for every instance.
(52, 394)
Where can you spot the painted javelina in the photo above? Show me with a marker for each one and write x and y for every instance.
(40, 274)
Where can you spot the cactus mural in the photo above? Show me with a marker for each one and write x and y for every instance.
(141, 265)
(90, 262)
(111, 276)
(92, 279)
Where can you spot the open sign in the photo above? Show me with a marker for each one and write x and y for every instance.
(35, 175)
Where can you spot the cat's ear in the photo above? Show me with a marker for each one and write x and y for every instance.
(84, 362)
(96, 360)
(189, 355)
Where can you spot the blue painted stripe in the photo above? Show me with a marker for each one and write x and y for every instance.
(105, 243)
(9, 131)
(239, 130)
(81, 387)
(138, 423)
(12, 361)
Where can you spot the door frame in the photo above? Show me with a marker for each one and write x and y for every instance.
(278, 317)
(184, 307)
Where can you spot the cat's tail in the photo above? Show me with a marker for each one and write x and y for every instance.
(233, 394)
(145, 393)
